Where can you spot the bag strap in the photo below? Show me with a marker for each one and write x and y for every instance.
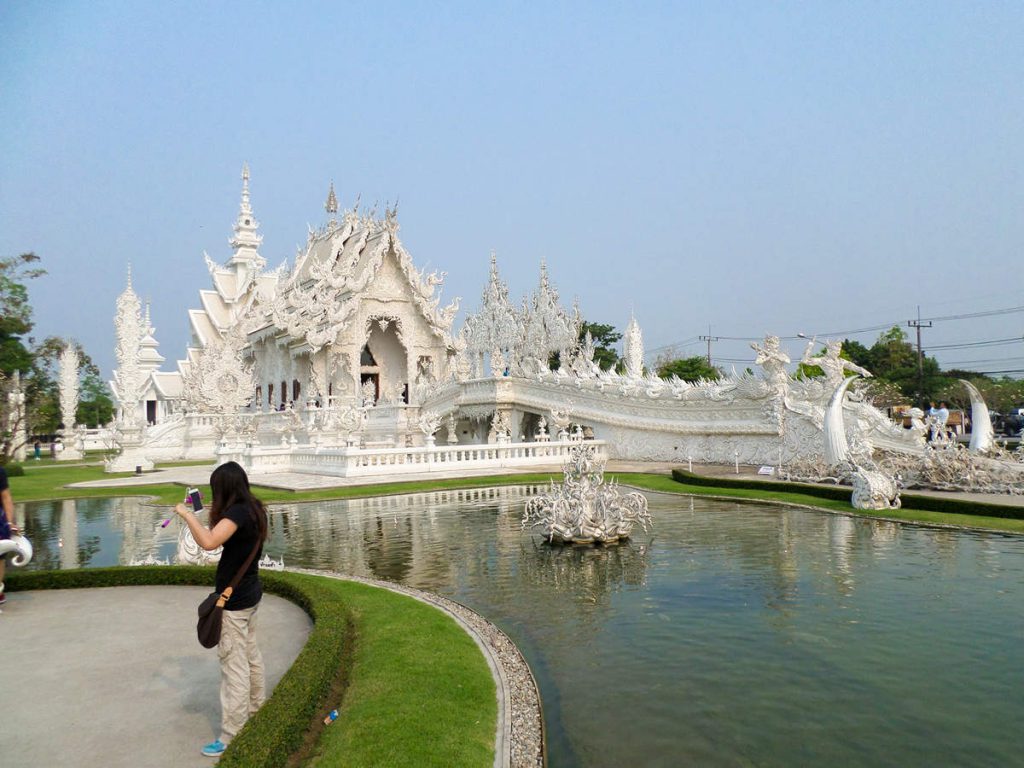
(226, 594)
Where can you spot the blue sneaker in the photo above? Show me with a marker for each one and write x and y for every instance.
(215, 748)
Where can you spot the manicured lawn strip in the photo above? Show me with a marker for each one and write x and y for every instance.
(667, 484)
(419, 693)
(49, 484)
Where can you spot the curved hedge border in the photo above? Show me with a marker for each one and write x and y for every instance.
(839, 493)
(277, 730)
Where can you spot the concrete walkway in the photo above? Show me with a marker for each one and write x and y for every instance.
(115, 677)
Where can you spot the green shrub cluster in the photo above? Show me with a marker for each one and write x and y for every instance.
(278, 729)
(838, 493)
(14, 470)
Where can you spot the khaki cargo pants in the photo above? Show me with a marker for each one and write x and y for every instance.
(242, 688)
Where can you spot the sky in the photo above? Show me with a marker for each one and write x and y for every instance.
(726, 169)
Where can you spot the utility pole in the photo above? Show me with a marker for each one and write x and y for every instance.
(709, 338)
(920, 356)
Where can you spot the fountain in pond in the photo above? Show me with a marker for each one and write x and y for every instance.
(584, 509)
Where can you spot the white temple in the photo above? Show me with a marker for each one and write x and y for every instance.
(345, 363)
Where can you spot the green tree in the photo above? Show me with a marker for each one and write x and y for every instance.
(605, 340)
(16, 314)
(605, 337)
(686, 368)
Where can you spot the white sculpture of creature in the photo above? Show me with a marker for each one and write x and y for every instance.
(874, 490)
(831, 362)
(773, 362)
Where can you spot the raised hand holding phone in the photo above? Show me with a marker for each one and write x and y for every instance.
(193, 497)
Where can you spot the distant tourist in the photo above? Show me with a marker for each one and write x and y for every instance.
(7, 526)
(942, 415)
(238, 522)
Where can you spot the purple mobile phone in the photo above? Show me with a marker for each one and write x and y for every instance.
(195, 498)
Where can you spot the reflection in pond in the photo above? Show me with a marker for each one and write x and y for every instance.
(730, 635)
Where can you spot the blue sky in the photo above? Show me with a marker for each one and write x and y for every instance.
(754, 167)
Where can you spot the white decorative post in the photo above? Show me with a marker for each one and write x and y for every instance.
(129, 383)
(68, 384)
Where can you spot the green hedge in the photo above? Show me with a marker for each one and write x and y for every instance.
(278, 729)
(840, 493)
(14, 470)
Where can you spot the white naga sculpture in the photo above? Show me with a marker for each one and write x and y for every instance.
(874, 490)
(584, 509)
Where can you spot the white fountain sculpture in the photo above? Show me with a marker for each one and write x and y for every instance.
(583, 509)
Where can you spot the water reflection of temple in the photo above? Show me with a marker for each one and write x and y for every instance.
(399, 538)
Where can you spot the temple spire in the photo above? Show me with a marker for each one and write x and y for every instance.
(331, 206)
(246, 241)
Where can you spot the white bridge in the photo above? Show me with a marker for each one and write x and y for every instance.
(368, 462)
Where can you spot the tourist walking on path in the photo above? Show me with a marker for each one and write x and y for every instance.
(238, 522)
(7, 526)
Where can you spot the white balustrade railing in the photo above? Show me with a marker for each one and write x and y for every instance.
(365, 462)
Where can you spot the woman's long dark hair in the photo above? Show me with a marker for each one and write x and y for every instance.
(230, 486)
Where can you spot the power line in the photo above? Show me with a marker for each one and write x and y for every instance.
(986, 343)
(968, 316)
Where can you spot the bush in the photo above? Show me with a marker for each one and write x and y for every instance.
(277, 730)
(910, 500)
(14, 470)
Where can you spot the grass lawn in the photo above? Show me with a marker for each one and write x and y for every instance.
(419, 691)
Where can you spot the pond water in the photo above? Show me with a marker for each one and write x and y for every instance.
(730, 635)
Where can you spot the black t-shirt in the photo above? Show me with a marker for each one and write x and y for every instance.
(5, 524)
(236, 550)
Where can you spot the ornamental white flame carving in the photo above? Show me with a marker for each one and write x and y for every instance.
(128, 377)
(221, 381)
(69, 363)
(584, 509)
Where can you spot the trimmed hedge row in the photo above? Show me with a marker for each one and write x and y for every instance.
(839, 493)
(277, 730)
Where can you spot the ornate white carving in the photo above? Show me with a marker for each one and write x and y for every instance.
(874, 490)
(983, 436)
(831, 363)
(19, 546)
(221, 381)
(429, 422)
(634, 350)
(834, 432)
(68, 384)
(495, 328)
(583, 509)
(129, 331)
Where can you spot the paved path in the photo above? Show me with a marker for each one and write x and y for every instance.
(115, 677)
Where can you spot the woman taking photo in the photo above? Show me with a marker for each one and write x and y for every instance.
(238, 522)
